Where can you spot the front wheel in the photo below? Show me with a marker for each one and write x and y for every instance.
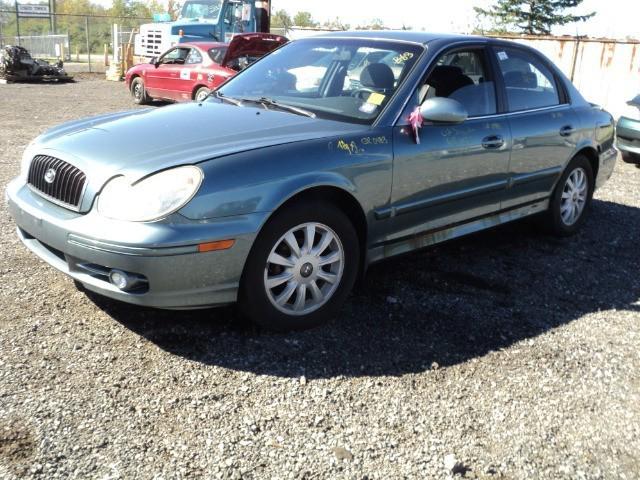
(301, 268)
(138, 92)
(571, 198)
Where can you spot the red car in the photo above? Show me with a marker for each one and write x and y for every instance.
(189, 71)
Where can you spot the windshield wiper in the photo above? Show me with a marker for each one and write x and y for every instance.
(233, 101)
(281, 106)
(265, 102)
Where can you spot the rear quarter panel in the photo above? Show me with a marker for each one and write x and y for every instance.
(597, 131)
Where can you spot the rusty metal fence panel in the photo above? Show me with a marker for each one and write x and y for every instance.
(605, 71)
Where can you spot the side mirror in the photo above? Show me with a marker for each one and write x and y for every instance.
(153, 61)
(443, 110)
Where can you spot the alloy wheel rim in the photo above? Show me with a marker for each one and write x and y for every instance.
(574, 196)
(201, 96)
(137, 90)
(304, 269)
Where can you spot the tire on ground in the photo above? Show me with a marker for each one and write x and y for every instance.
(255, 301)
(553, 219)
(138, 92)
(201, 93)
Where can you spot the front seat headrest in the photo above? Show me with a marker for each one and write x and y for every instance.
(378, 76)
(446, 79)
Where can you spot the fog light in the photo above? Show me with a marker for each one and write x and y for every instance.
(119, 279)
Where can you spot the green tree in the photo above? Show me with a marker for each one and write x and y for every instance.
(281, 19)
(304, 19)
(336, 24)
(376, 24)
(174, 7)
(533, 17)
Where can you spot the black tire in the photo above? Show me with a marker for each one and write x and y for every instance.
(629, 157)
(554, 220)
(138, 92)
(201, 93)
(258, 304)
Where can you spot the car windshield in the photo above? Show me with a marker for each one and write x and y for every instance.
(342, 79)
(201, 9)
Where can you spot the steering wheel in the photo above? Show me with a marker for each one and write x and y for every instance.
(362, 93)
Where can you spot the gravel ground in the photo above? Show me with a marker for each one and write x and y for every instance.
(507, 354)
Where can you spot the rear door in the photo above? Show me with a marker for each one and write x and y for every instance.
(543, 124)
(188, 75)
(457, 172)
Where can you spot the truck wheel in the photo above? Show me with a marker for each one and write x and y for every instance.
(138, 92)
(301, 268)
(571, 198)
(201, 94)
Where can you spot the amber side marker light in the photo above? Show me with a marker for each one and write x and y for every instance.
(219, 245)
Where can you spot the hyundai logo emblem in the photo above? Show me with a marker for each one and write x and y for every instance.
(50, 175)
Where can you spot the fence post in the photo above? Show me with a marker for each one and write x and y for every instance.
(17, 23)
(86, 24)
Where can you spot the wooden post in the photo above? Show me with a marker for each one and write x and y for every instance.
(86, 23)
(106, 55)
(77, 53)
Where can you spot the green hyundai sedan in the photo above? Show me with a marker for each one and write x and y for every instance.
(331, 153)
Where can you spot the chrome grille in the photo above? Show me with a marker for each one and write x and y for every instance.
(67, 185)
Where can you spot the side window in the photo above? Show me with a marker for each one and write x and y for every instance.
(463, 76)
(528, 81)
(177, 56)
(194, 57)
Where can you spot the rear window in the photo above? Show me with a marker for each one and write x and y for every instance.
(217, 54)
(528, 81)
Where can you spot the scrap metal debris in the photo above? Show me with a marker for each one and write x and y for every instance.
(16, 64)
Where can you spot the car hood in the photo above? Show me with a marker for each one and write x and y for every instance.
(140, 142)
(254, 44)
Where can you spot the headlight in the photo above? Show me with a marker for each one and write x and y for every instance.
(631, 111)
(151, 198)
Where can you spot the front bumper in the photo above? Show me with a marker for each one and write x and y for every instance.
(628, 139)
(86, 247)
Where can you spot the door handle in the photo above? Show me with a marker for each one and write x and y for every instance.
(567, 130)
(492, 141)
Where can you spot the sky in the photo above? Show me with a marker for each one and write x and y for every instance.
(614, 18)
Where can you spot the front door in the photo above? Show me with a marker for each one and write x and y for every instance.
(164, 81)
(457, 172)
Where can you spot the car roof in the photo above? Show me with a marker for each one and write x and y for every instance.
(399, 35)
(202, 45)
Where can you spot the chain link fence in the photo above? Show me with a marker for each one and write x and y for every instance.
(83, 41)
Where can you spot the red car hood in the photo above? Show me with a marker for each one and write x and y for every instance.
(252, 44)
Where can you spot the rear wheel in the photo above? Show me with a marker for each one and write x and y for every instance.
(201, 94)
(301, 268)
(571, 198)
(138, 92)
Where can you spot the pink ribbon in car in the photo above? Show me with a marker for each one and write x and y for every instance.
(416, 121)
